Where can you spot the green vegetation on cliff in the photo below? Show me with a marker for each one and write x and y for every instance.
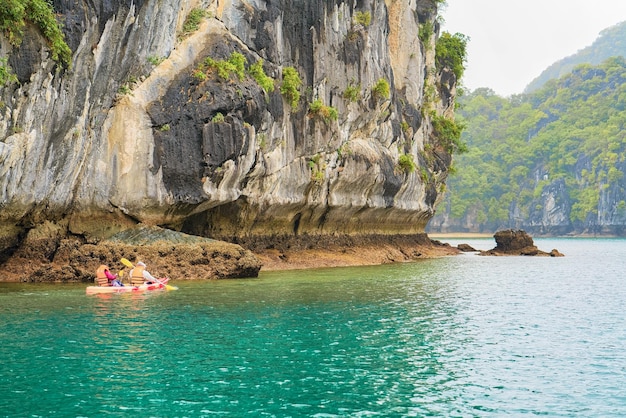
(449, 133)
(13, 17)
(363, 18)
(234, 65)
(380, 90)
(225, 68)
(319, 109)
(256, 71)
(406, 163)
(451, 52)
(290, 87)
(193, 19)
(6, 73)
(571, 132)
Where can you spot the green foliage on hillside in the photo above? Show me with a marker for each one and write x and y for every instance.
(13, 17)
(610, 43)
(573, 130)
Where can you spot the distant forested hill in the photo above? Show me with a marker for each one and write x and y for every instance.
(610, 43)
(550, 162)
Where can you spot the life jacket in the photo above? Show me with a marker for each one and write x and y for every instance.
(101, 278)
(136, 276)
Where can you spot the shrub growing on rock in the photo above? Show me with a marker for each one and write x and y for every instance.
(381, 89)
(290, 86)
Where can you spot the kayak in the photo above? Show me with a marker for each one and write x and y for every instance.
(92, 290)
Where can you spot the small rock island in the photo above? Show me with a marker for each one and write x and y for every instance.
(517, 242)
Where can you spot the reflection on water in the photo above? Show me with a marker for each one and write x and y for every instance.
(124, 348)
(459, 336)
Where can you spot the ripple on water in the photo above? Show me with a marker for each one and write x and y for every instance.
(462, 336)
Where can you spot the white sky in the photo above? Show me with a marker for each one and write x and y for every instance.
(513, 41)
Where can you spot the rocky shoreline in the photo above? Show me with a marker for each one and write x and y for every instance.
(44, 256)
(340, 251)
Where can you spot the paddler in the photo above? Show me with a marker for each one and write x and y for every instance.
(104, 277)
(139, 275)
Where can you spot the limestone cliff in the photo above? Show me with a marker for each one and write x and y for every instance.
(140, 129)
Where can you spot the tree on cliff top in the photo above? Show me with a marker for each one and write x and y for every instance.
(451, 52)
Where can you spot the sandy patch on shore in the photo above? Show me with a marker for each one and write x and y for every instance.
(449, 235)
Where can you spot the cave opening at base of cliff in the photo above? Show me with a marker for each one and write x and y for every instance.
(296, 224)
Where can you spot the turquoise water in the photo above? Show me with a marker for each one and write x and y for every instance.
(460, 336)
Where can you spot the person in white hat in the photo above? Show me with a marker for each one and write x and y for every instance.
(139, 275)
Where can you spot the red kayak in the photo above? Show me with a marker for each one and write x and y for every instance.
(92, 290)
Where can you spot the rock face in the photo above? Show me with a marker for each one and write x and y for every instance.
(517, 242)
(168, 254)
(133, 133)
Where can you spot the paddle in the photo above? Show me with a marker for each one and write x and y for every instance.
(130, 265)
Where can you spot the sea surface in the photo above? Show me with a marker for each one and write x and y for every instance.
(462, 336)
